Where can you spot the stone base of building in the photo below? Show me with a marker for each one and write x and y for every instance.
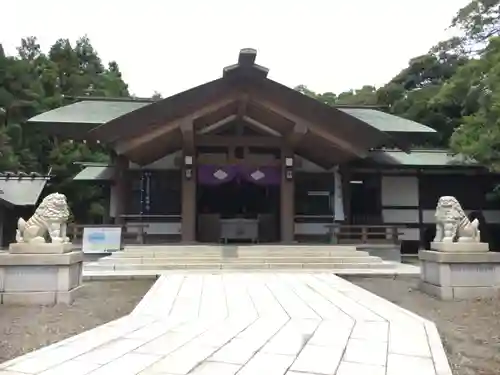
(460, 247)
(40, 248)
(40, 279)
(453, 276)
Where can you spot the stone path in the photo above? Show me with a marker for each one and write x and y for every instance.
(250, 324)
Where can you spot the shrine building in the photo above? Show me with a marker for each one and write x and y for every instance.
(245, 158)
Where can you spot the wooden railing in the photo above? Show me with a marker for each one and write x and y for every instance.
(337, 233)
(133, 230)
(363, 234)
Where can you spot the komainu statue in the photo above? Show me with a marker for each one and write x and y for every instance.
(50, 217)
(452, 224)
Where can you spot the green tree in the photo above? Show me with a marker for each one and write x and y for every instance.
(479, 20)
(157, 96)
(477, 85)
(327, 97)
(32, 82)
(367, 95)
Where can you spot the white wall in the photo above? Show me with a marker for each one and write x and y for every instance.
(491, 216)
(168, 162)
(403, 191)
(400, 191)
(310, 229)
(406, 216)
(171, 228)
(304, 165)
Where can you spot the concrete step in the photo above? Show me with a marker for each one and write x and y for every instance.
(245, 254)
(237, 247)
(227, 249)
(233, 266)
(212, 260)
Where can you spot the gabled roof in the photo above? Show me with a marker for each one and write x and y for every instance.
(77, 119)
(95, 173)
(21, 189)
(386, 122)
(354, 129)
(419, 158)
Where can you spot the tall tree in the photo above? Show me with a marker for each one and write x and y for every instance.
(157, 96)
(477, 86)
(367, 95)
(33, 82)
(479, 20)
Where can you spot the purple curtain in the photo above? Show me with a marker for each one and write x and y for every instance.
(216, 175)
(263, 176)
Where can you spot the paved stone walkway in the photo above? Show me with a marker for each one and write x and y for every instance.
(250, 324)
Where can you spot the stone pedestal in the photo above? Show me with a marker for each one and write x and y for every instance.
(460, 247)
(32, 278)
(460, 274)
(40, 248)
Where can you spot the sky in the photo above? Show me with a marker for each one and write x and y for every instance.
(170, 46)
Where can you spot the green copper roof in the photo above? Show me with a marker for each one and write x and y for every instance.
(95, 173)
(88, 112)
(73, 121)
(386, 122)
(21, 190)
(423, 158)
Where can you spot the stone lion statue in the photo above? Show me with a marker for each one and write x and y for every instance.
(452, 224)
(50, 217)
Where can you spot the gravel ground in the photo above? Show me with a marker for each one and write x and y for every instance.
(470, 329)
(23, 329)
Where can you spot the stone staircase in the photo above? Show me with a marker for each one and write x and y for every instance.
(239, 257)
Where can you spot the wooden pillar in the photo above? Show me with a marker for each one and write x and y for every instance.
(287, 199)
(107, 204)
(421, 226)
(188, 211)
(287, 196)
(2, 219)
(121, 165)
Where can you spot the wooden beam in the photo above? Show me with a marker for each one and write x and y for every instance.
(261, 126)
(123, 147)
(187, 130)
(218, 140)
(217, 125)
(151, 134)
(242, 106)
(295, 136)
(340, 143)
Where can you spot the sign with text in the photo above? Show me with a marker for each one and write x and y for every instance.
(101, 239)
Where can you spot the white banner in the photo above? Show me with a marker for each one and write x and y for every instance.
(101, 239)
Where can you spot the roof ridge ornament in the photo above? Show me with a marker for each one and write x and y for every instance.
(246, 65)
(247, 57)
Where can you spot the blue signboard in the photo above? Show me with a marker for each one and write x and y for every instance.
(101, 239)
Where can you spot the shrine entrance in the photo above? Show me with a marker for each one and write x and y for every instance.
(238, 204)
